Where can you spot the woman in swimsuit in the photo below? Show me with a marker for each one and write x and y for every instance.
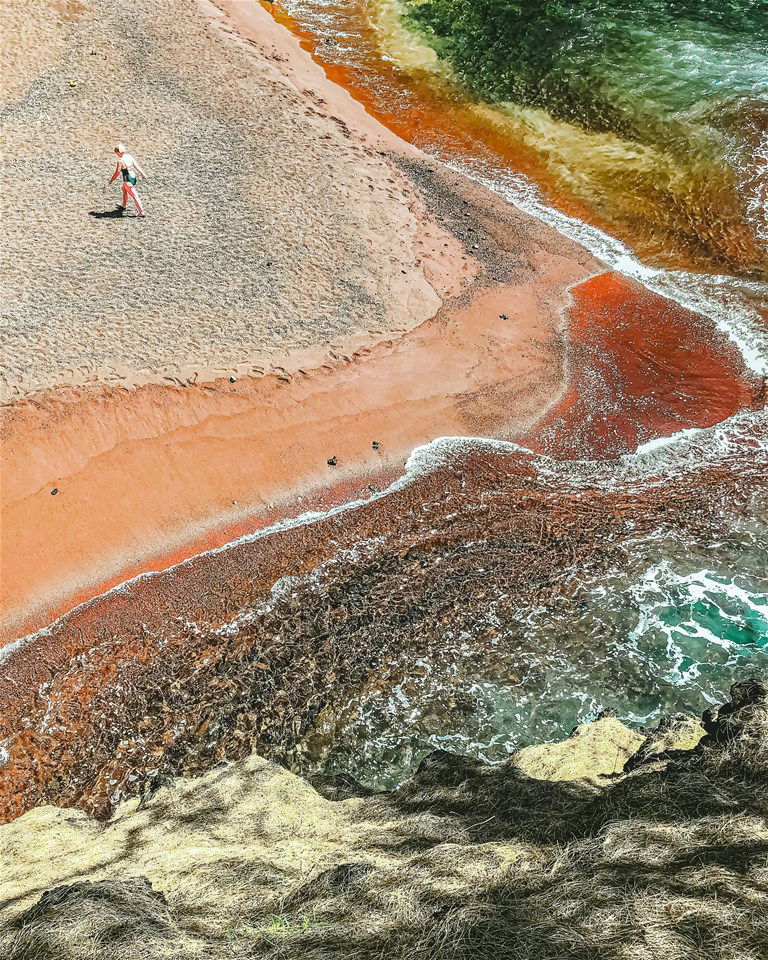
(127, 166)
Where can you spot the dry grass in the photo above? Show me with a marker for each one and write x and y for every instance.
(463, 862)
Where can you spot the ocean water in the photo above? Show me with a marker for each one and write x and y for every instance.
(665, 629)
(654, 111)
(639, 129)
(649, 119)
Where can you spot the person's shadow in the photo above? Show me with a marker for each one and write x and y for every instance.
(115, 214)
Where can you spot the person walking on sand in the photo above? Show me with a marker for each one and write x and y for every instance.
(129, 168)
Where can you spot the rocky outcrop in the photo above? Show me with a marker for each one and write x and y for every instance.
(554, 854)
(593, 751)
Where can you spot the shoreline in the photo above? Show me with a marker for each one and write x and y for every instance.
(193, 447)
(56, 546)
(193, 665)
(192, 444)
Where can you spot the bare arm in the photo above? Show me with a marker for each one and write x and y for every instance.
(115, 174)
(139, 171)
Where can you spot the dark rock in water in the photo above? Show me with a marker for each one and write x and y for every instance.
(722, 722)
(54, 491)
(332, 462)
(340, 786)
(233, 379)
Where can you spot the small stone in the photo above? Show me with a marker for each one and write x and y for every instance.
(375, 444)
(54, 491)
(233, 379)
(503, 316)
(332, 462)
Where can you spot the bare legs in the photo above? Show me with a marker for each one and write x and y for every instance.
(129, 191)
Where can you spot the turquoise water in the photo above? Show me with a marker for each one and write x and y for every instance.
(660, 637)
(667, 629)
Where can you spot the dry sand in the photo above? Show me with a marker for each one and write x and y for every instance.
(270, 228)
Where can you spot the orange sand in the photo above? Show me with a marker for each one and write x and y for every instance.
(145, 477)
(171, 465)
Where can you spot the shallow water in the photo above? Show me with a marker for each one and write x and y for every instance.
(665, 630)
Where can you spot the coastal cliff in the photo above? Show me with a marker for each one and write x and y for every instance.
(611, 844)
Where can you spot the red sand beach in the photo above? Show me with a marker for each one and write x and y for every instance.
(482, 322)
(148, 475)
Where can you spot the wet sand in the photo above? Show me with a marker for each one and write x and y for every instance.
(180, 471)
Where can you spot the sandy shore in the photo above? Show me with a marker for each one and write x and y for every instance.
(305, 286)
(144, 474)
(291, 243)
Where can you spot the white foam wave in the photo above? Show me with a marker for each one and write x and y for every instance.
(725, 301)
(653, 461)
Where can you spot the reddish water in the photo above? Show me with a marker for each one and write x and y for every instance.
(640, 367)
(439, 120)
